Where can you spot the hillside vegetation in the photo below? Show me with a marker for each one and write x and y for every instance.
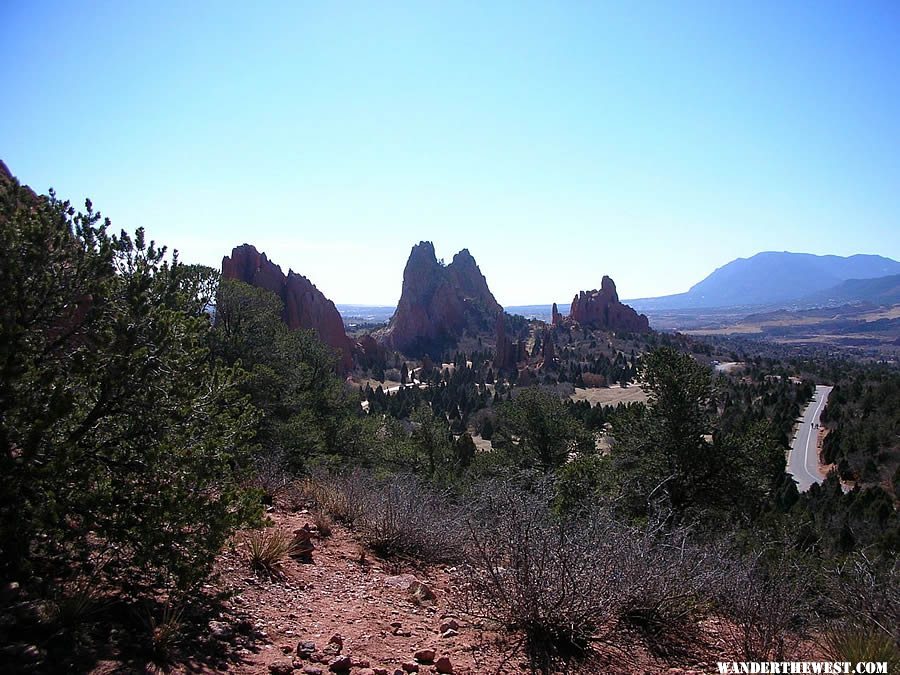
(157, 419)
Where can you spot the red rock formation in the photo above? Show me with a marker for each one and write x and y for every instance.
(438, 304)
(602, 309)
(304, 305)
(25, 195)
(506, 354)
(555, 318)
(370, 351)
(521, 350)
(548, 350)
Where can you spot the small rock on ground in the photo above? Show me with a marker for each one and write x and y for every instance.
(443, 665)
(425, 655)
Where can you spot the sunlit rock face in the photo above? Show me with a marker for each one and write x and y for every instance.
(304, 305)
(439, 303)
(602, 309)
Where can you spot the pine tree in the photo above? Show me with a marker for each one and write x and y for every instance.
(120, 432)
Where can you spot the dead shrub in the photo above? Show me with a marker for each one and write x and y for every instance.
(294, 496)
(404, 517)
(566, 583)
(270, 475)
(764, 602)
(342, 497)
(556, 583)
(323, 524)
(399, 516)
(667, 590)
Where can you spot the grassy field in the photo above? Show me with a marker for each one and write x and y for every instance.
(610, 395)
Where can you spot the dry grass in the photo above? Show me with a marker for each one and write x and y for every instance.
(611, 395)
(857, 643)
(79, 599)
(268, 549)
(323, 524)
(164, 628)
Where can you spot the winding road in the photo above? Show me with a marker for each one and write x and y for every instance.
(803, 460)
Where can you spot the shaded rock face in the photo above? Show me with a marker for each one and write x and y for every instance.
(304, 305)
(369, 352)
(438, 304)
(26, 195)
(548, 350)
(506, 355)
(555, 317)
(602, 309)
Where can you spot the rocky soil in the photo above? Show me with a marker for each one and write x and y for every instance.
(347, 611)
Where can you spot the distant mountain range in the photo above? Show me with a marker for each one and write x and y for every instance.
(878, 291)
(773, 278)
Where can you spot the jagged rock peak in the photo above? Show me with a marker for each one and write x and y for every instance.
(602, 309)
(608, 286)
(439, 303)
(555, 317)
(464, 258)
(423, 251)
(305, 306)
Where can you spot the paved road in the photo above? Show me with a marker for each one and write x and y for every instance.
(803, 461)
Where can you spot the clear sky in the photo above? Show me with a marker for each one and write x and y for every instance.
(557, 141)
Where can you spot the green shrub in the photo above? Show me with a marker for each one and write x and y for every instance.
(122, 438)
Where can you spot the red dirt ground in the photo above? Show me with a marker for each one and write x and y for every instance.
(347, 592)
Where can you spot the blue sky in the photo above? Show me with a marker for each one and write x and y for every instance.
(557, 141)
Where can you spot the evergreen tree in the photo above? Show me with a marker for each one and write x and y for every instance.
(537, 423)
(121, 436)
(290, 374)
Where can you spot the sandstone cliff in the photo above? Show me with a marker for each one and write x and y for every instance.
(304, 305)
(602, 309)
(439, 303)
